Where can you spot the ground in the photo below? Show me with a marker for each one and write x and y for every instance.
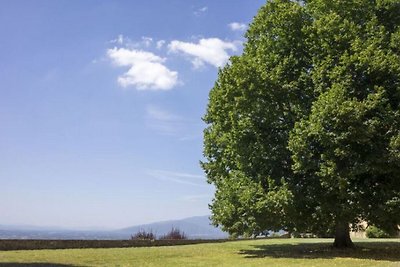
(265, 252)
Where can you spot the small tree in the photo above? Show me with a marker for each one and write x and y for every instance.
(174, 234)
(143, 235)
(374, 232)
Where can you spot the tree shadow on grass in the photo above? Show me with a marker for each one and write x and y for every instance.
(375, 250)
(36, 264)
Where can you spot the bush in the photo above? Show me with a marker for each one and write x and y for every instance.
(143, 235)
(174, 234)
(375, 232)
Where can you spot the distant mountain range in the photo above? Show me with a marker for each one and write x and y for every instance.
(194, 227)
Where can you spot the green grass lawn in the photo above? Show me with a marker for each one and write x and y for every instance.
(266, 252)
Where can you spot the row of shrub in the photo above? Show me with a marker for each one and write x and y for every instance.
(375, 232)
(173, 234)
(28, 244)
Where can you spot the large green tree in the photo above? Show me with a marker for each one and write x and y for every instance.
(304, 127)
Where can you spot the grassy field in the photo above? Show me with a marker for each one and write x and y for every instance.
(266, 252)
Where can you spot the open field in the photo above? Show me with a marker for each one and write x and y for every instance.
(266, 252)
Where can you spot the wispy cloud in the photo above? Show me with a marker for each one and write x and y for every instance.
(146, 70)
(192, 137)
(179, 177)
(160, 44)
(212, 51)
(200, 11)
(195, 198)
(237, 26)
(143, 42)
(147, 41)
(163, 121)
(119, 40)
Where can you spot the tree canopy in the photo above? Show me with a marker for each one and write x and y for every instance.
(303, 128)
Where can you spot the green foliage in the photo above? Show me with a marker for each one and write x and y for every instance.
(304, 127)
(375, 232)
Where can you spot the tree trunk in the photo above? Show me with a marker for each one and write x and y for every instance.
(342, 236)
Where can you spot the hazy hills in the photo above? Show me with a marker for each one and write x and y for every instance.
(194, 227)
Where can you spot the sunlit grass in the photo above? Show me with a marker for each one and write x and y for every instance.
(267, 252)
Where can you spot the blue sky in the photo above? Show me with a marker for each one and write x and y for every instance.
(101, 105)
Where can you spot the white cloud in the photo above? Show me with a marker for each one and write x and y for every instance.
(147, 41)
(160, 44)
(203, 9)
(212, 51)
(119, 40)
(179, 177)
(200, 11)
(125, 41)
(236, 26)
(146, 70)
